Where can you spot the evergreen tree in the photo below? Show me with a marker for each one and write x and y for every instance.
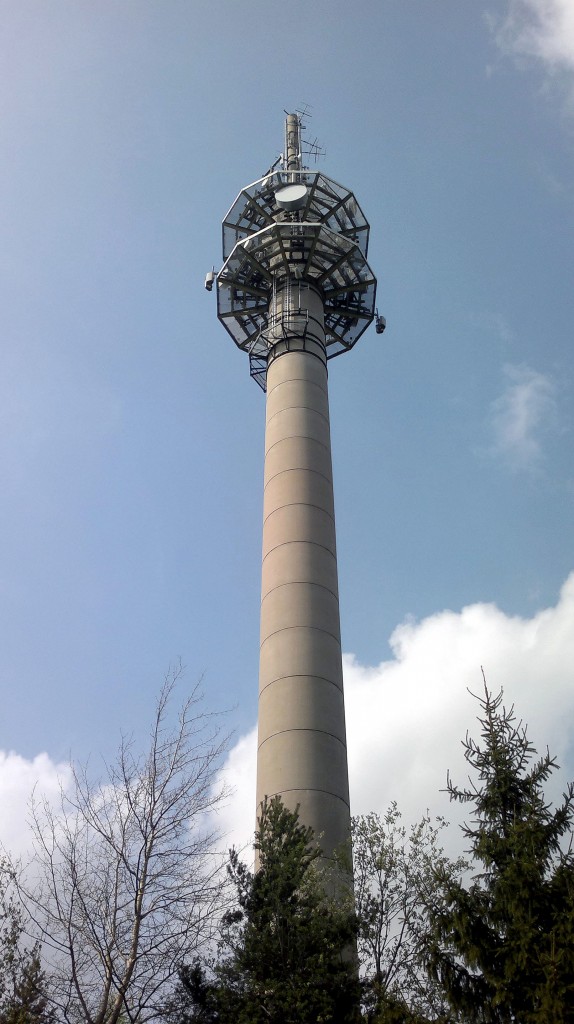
(195, 999)
(282, 952)
(23, 984)
(26, 1000)
(503, 946)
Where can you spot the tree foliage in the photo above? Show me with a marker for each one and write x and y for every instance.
(124, 880)
(23, 983)
(282, 956)
(502, 947)
(395, 881)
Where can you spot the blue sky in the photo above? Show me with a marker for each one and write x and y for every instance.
(131, 436)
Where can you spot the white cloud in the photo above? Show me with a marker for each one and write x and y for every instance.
(407, 716)
(520, 416)
(541, 29)
(237, 816)
(19, 778)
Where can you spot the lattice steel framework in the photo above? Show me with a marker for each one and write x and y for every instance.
(322, 244)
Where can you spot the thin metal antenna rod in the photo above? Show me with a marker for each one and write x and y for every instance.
(292, 142)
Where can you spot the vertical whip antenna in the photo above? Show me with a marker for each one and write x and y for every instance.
(292, 157)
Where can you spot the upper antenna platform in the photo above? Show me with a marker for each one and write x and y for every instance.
(299, 225)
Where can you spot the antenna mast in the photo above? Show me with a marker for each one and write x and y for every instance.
(292, 157)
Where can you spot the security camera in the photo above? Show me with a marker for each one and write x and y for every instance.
(380, 323)
(209, 280)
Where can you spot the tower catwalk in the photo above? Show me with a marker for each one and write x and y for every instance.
(294, 291)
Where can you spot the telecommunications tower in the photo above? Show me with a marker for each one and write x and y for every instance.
(294, 291)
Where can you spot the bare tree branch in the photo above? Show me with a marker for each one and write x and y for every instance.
(394, 880)
(124, 883)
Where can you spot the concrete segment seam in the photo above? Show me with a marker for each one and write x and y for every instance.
(301, 380)
(302, 675)
(302, 504)
(297, 437)
(291, 408)
(312, 543)
(306, 583)
(301, 625)
(283, 732)
(313, 789)
(297, 469)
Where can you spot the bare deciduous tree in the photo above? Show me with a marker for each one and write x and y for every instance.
(125, 882)
(395, 881)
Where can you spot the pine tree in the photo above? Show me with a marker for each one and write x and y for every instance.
(26, 1001)
(282, 953)
(503, 947)
(23, 983)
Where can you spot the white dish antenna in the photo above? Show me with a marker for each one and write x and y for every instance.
(292, 197)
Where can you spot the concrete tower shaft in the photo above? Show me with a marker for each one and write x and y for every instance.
(302, 752)
(295, 290)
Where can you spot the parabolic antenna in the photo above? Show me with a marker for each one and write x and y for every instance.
(292, 197)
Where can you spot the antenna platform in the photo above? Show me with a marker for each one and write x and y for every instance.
(299, 228)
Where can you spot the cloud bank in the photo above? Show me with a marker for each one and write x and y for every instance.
(521, 416)
(406, 717)
(540, 29)
(19, 778)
